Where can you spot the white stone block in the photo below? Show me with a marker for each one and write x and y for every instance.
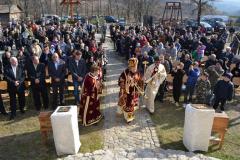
(65, 131)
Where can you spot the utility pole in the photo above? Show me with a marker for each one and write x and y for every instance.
(199, 11)
(92, 7)
(100, 7)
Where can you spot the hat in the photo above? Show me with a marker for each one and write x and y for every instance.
(228, 75)
(132, 62)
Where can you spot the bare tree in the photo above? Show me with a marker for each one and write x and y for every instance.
(201, 5)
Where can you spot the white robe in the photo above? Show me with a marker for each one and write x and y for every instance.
(153, 86)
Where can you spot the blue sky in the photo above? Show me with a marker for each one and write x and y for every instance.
(230, 6)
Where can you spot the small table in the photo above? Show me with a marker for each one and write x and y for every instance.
(65, 130)
(197, 127)
(220, 125)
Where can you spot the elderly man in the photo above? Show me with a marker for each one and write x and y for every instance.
(154, 77)
(36, 73)
(15, 77)
(57, 72)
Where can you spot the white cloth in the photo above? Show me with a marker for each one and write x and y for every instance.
(153, 86)
(65, 131)
(14, 68)
(197, 128)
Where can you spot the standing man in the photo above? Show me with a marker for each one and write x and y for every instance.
(223, 91)
(15, 77)
(154, 77)
(131, 86)
(57, 72)
(78, 69)
(36, 73)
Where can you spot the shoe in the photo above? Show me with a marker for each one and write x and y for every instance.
(161, 101)
(5, 113)
(11, 117)
(22, 111)
(177, 104)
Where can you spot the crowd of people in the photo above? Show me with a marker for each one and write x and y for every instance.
(160, 58)
(194, 64)
(34, 53)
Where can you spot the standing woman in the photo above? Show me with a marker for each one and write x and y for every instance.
(177, 74)
(89, 102)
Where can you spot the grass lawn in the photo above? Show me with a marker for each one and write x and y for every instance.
(169, 121)
(21, 140)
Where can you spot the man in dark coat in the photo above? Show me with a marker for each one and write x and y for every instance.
(15, 77)
(57, 72)
(36, 73)
(223, 91)
(78, 69)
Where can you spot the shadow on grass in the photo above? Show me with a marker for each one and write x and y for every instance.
(26, 146)
(169, 121)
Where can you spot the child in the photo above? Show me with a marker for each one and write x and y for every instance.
(203, 89)
(193, 75)
(223, 91)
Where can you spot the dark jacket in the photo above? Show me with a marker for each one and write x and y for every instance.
(60, 72)
(178, 78)
(223, 90)
(20, 76)
(187, 64)
(38, 73)
(45, 58)
(77, 71)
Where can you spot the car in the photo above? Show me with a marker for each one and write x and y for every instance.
(51, 19)
(121, 22)
(65, 18)
(208, 28)
(217, 25)
(191, 23)
(110, 19)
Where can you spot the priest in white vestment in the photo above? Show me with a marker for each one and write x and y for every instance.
(154, 76)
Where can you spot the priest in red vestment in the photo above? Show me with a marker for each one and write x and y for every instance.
(89, 103)
(131, 86)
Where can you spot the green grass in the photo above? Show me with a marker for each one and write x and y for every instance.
(21, 140)
(169, 121)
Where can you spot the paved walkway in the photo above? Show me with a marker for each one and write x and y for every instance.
(122, 141)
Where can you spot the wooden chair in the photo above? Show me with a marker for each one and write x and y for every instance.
(220, 125)
(27, 85)
(3, 85)
(236, 81)
(69, 78)
(45, 125)
(48, 80)
(233, 65)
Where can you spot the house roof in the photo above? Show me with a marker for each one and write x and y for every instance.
(13, 9)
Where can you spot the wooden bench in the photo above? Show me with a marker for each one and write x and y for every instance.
(220, 125)
(45, 125)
